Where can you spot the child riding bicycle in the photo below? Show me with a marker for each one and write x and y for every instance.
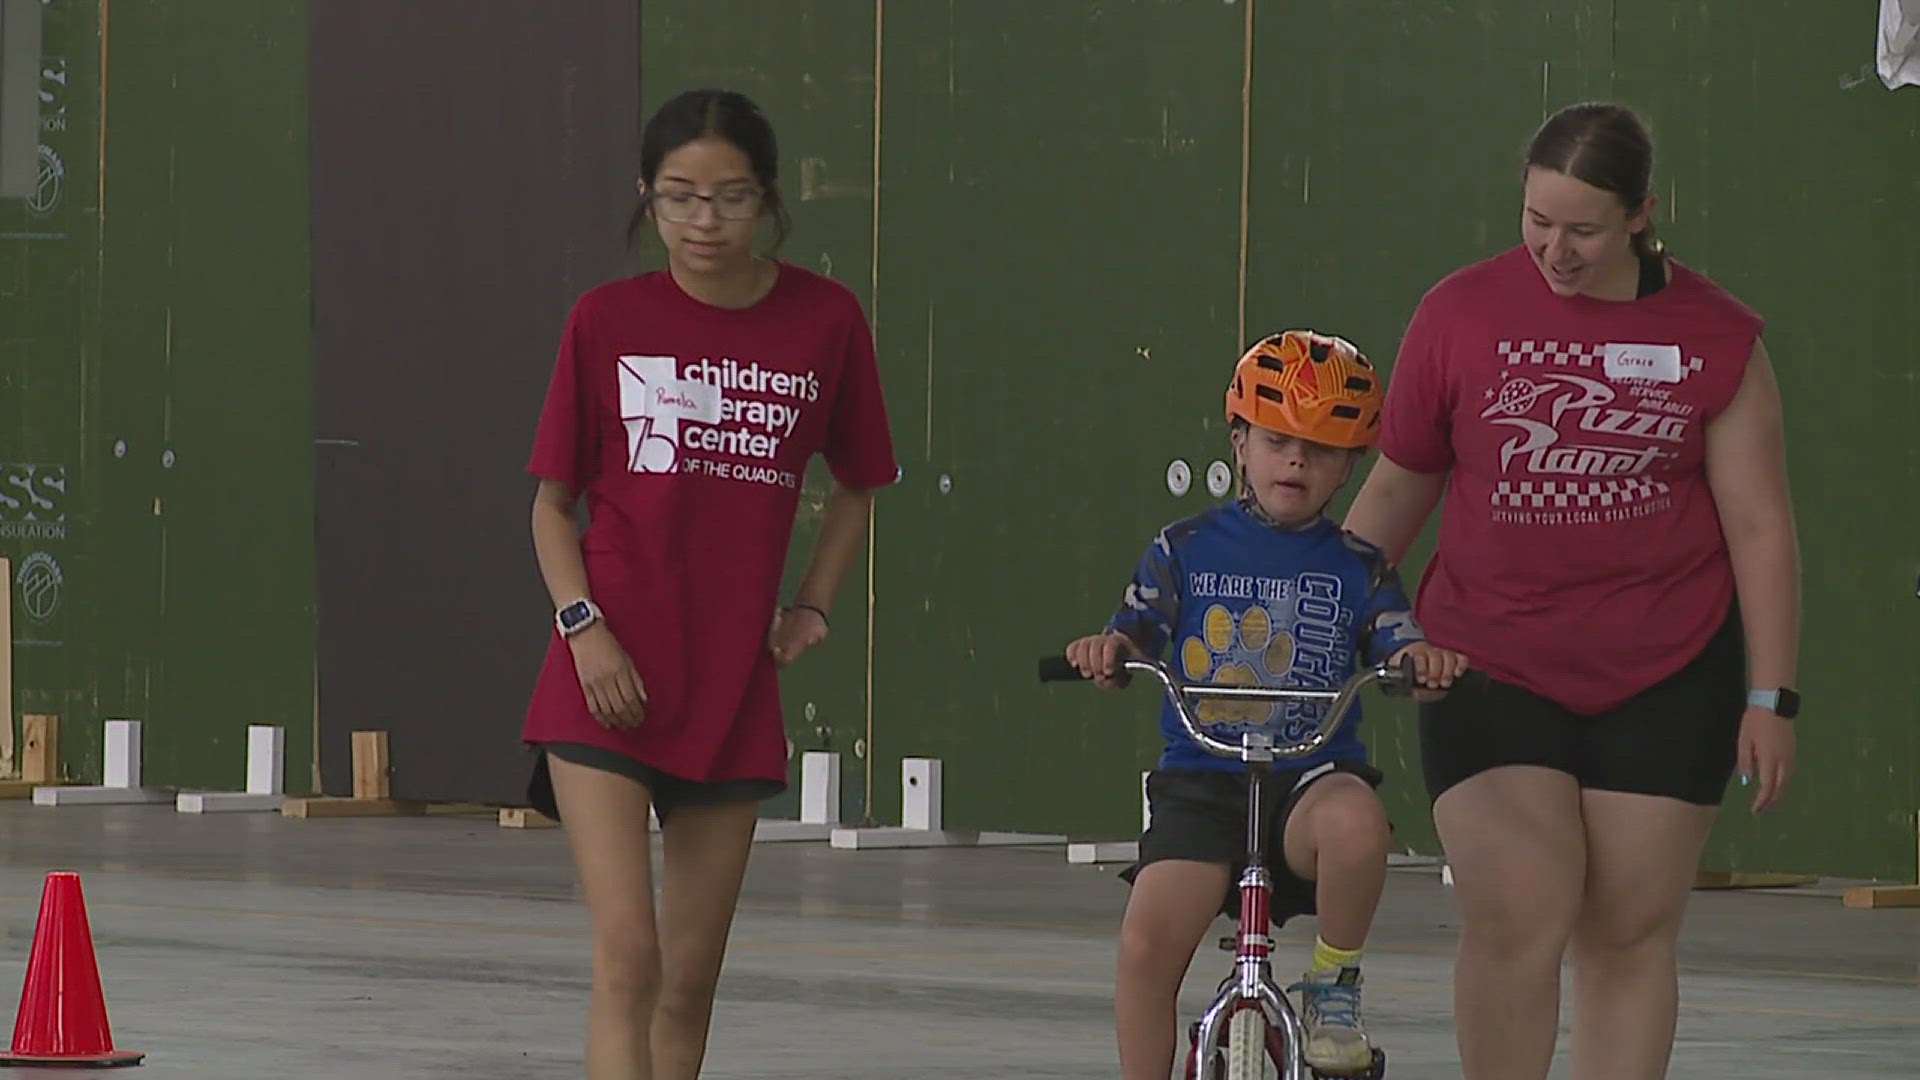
(1265, 591)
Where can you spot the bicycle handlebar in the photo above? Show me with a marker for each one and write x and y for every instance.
(1256, 745)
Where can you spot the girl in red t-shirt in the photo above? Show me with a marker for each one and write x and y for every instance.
(1617, 551)
(684, 406)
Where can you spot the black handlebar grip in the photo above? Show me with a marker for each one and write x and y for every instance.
(1405, 677)
(1474, 681)
(1405, 681)
(1059, 669)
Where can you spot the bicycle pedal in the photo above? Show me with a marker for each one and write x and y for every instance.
(1375, 1070)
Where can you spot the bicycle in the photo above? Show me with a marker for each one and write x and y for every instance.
(1252, 1022)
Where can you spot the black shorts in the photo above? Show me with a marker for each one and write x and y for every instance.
(1677, 738)
(666, 790)
(1201, 815)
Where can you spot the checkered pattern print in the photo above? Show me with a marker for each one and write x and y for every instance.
(1565, 354)
(1565, 494)
(1555, 353)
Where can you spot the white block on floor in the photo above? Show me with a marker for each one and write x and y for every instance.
(920, 794)
(123, 754)
(819, 788)
(226, 802)
(266, 769)
(1096, 852)
(819, 804)
(921, 820)
(122, 772)
(266, 759)
(876, 839)
(99, 796)
(780, 831)
(1093, 852)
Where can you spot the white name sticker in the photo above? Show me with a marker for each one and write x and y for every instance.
(649, 387)
(1655, 363)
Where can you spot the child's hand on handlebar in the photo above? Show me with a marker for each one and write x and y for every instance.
(1434, 669)
(1099, 656)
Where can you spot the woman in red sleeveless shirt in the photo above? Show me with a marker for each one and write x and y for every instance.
(1617, 551)
(685, 406)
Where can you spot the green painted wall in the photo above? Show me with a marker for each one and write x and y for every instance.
(50, 525)
(1376, 192)
(1794, 179)
(1057, 291)
(1058, 240)
(1367, 193)
(168, 372)
(824, 119)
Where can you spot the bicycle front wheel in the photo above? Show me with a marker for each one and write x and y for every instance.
(1247, 1046)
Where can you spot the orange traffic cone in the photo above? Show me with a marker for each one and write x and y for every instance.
(63, 1013)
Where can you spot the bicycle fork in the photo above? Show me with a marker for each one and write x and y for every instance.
(1252, 985)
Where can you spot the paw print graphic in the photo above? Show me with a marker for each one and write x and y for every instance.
(1243, 650)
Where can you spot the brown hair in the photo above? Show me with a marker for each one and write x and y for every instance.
(1604, 145)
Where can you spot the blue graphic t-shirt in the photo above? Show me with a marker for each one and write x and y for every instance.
(1243, 602)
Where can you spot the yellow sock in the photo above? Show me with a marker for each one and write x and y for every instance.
(1328, 958)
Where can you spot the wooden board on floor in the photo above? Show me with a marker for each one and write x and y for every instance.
(39, 757)
(460, 809)
(1722, 879)
(323, 806)
(370, 765)
(372, 794)
(1886, 896)
(521, 817)
(1889, 896)
(40, 749)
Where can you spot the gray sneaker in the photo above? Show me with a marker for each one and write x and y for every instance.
(1330, 1014)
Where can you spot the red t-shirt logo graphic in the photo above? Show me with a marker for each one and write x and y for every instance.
(653, 401)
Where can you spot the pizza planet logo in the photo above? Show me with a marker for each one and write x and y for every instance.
(693, 420)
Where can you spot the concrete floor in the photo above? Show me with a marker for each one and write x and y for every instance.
(250, 946)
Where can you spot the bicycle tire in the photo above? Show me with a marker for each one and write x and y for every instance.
(1247, 1045)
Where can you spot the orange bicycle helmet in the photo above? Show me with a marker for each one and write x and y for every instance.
(1311, 386)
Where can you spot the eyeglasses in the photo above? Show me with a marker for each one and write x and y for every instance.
(735, 204)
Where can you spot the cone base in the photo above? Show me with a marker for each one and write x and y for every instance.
(82, 1061)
